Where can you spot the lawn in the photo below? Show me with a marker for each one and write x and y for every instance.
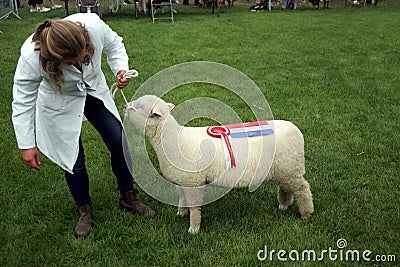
(333, 72)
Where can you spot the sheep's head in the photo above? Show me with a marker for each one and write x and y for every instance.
(148, 112)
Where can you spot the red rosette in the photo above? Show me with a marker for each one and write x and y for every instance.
(217, 131)
(221, 131)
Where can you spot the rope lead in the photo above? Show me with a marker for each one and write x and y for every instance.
(129, 74)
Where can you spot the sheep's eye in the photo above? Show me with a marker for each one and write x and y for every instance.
(155, 115)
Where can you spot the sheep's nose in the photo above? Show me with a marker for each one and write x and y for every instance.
(130, 105)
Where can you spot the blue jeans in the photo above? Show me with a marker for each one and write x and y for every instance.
(115, 139)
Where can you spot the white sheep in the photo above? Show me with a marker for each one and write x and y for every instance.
(189, 157)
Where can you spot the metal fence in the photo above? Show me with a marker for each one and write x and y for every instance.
(9, 8)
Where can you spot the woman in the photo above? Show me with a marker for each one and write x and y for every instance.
(58, 81)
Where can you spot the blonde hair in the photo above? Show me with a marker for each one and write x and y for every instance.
(59, 41)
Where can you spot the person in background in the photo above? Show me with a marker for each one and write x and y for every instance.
(7, 4)
(37, 6)
(315, 4)
(58, 84)
(289, 4)
(54, 5)
(196, 3)
(119, 4)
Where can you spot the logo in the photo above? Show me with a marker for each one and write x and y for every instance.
(338, 253)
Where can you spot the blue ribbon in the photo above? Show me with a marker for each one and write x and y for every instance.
(252, 133)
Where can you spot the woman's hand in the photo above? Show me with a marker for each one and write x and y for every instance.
(31, 157)
(122, 82)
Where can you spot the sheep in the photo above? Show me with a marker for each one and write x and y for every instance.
(189, 157)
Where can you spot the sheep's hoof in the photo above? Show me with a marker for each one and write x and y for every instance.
(194, 230)
(283, 207)
(306, 216)
(182, 212)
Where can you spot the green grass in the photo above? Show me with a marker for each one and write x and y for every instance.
(334, 73)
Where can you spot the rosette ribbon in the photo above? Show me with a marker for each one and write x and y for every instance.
(223, 133)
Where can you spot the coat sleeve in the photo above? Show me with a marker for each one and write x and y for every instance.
(27, 79)
(114, 49)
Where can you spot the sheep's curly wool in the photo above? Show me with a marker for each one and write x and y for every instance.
(189, 157)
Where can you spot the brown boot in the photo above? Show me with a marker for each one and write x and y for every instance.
(128, 201)
(82, 228)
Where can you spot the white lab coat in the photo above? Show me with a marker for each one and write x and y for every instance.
(59, 115)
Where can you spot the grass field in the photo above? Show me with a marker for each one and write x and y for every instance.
(333, 72)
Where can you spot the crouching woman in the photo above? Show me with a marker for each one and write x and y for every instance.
(59, 81)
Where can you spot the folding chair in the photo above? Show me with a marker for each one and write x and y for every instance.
(7, 8)
(89, 6)
(159, 6)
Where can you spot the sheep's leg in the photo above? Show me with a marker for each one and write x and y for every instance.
(300, 189)
(304, 200)
(195, 198)
(285, 199)
(192, 198)
(195, 220)
(183, 210)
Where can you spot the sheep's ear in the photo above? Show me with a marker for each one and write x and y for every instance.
(170, 106)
